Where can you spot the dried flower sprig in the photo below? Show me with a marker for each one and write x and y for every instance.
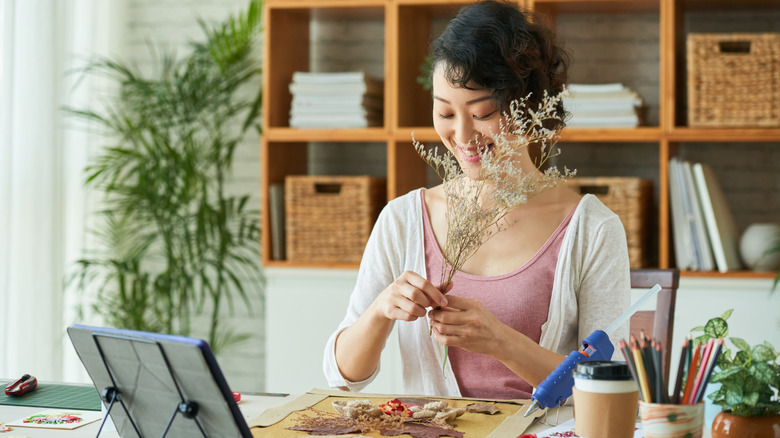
(477, 207)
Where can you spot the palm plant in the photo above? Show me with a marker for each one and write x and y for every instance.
(174, 242)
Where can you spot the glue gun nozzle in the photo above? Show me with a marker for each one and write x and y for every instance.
(533, 408)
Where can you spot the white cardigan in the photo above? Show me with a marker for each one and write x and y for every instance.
(591, 289)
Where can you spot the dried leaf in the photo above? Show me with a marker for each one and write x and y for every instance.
(422, 431)
(482, 408)
(326, 429)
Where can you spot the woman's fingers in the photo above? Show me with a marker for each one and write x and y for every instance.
(432, 295)
(408, 297)
(465, 323)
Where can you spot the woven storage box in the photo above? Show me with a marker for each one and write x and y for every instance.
(329, 218)
(630, 199)
(734, 80)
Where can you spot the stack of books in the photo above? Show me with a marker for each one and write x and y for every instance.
(705, 234)
(336, 100)
(602, 106)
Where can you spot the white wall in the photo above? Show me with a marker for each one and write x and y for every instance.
(304, 307)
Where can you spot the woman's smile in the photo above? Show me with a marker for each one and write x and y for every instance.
(473, 154)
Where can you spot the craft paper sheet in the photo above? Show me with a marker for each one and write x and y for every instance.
(57, 419)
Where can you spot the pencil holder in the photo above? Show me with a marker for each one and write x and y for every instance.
(672, 421)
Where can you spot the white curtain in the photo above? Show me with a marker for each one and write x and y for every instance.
(43, 202)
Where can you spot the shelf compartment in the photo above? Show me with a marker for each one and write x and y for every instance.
(288, 43)
(417, 24)
(724, 135)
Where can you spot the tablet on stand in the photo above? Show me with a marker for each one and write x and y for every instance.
(156, 385)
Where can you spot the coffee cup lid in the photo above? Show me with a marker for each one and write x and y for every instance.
(602, 370)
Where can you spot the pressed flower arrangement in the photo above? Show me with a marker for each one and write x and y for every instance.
(477, 207)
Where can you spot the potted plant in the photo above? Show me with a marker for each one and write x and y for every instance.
(174, 242)
(749, 380)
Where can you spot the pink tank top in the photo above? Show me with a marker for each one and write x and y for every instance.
(520, 299)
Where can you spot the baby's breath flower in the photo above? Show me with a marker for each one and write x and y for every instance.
(476, 208)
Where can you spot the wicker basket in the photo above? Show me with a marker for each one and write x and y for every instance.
(329, 218)
(630, 199)
(734, 80)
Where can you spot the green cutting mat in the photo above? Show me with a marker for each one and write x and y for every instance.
(56, 396)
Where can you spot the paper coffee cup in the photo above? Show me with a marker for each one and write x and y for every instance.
(606, 400)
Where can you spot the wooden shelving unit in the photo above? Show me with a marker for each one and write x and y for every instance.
(407, 30)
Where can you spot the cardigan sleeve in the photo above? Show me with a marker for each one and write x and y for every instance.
(592, 279)
(605, 290)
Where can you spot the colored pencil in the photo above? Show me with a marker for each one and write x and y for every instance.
(640, 371)
(705, 358)
(630, 362)
(647, 359)
(663, 389)
(712, 362)
(691, 374)
(680, 371)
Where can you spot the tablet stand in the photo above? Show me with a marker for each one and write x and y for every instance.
(112, 394)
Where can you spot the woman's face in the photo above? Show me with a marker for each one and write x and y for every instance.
(465, 120)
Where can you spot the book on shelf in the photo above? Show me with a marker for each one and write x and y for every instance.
(704, 259)
(334, 111)
(602, 106)
(610, 87)
(598, 121)
(349, 77)
(349, 83)
(721, 227)
(704, 231)
(327, 102)
(326, 121)
(336, 100)
(277, 216)
(681, 231)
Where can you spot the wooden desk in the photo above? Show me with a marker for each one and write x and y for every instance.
(251, 406)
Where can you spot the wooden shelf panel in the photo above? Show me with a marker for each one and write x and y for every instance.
(326, 135)
(318, 4)
(424, 134)
(736, 274)
(596, 6)
(642, 134)
(288, 264)
(724, 135)
(726, 5)
(630, 135)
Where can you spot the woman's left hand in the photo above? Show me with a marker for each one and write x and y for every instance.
(466, 324)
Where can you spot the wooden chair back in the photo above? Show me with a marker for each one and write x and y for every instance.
(659, 323)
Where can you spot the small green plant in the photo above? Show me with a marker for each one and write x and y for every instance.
(173, 241)
(424, 78)
(749, 380)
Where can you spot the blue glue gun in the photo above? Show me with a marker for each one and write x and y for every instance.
(557, 387)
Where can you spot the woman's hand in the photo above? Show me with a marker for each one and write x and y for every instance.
(408, 297)
(465, 323)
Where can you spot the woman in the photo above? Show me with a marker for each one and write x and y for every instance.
(529, 295)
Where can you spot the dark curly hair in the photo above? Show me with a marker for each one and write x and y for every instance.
(494, 45)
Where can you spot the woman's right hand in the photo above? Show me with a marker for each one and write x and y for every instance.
(408, 297)
(360, 345)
